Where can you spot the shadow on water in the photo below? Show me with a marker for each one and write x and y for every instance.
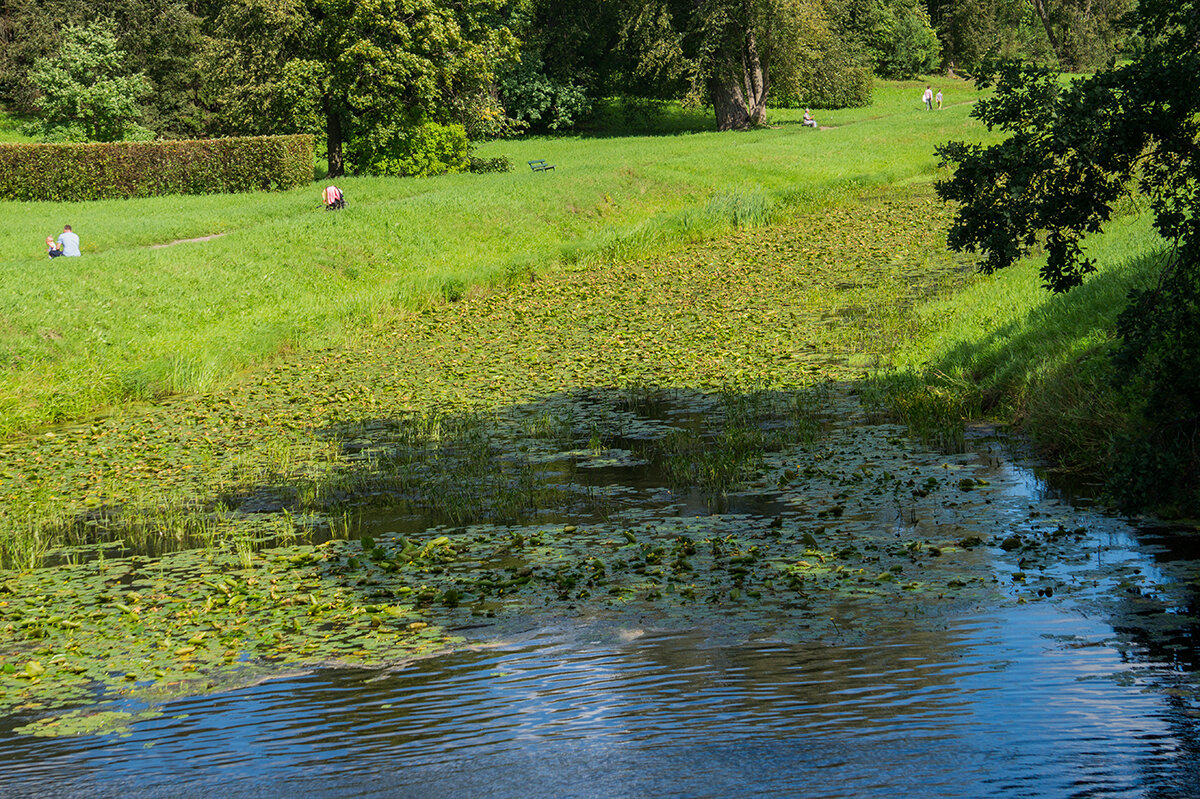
(812, 689)
(573, 457)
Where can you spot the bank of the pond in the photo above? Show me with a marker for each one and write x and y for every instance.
(1007, 348)
(131, 322)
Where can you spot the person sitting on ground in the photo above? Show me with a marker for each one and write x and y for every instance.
(68, 242)
(808, 119)
(52, 248)
(333, 198)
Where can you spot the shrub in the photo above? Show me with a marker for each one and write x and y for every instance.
(1157, 461)
(429, 148)
(501, 163)
(71, 172)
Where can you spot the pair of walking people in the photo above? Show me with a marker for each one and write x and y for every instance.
(67, 243)
(930, 98)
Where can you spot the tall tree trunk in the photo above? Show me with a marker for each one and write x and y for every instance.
(1040, 7)
(729, 102)
(333, 142)
(739, 83)
(756, 81)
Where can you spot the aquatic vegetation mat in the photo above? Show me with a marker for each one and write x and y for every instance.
(662, 443)
(840, 531)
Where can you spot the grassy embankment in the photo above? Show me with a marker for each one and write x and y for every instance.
(132, 321)
(1007, 348)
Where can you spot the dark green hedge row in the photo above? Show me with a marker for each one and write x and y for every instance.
(65, 172)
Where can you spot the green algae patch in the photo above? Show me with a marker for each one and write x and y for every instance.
(85, 722)
(189, 623)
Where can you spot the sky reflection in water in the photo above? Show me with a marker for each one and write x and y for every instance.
(1035, 699)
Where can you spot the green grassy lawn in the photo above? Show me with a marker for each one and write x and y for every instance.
(129, 321)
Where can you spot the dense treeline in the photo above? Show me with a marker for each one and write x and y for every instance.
(402, 87)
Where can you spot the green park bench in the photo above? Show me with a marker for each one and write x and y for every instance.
(540, 165)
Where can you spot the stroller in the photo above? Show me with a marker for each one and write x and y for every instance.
(334, 201)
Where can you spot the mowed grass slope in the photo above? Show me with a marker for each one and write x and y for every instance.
(133, 321)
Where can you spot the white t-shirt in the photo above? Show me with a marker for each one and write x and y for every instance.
(69, 243)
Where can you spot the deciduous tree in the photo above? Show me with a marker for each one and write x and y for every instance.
(1071, 154)
(728, 52)
(362, 67)
(86, 91)
(160, 39)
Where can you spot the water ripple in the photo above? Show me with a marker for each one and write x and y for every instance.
(978, 709)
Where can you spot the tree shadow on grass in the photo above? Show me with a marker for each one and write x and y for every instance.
(1052, 338)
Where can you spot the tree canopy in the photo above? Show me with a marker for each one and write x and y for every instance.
(86, 93)
(389, 84)
(367, 69)
(1073, 151)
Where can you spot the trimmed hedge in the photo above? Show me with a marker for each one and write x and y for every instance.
(67, 172)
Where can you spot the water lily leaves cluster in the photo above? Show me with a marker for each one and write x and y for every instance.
(188, 622)
(635, 438)
(817, 297)
(835, 533)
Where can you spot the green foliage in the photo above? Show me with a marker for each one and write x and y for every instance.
(14, 129)
(258, 78)
(972, 31)
(529, 95)
(160, 38)
(902, 41)
(70, 172)
(836, 80)
(731, 54)
(86, 92)
(415, 151)
(500, 163)
(1078, 35)
(1158, 369)
(1071, 155)
(371, 73)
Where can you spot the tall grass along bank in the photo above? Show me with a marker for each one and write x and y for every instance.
(244, 277)
(1006, 347)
